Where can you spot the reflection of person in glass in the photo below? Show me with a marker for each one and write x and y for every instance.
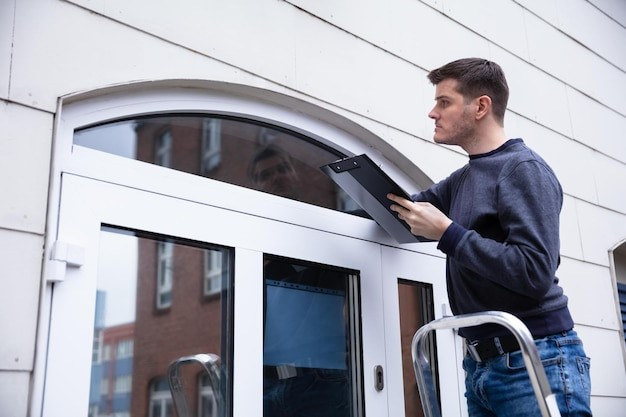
(305, 349)
(272, 171)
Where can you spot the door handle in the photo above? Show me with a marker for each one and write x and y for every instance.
(211, 364)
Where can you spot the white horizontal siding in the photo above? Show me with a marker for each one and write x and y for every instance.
(608, 373)
(24, 167)
(600, 229)
(589, 22)
(596, 126)
(7, 10)
(20, 257)
(14, 393)
(571, 245)
(591, 294)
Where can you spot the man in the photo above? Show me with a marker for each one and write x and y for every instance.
(497, 220)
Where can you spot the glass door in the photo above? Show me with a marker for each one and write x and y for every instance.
(415, 294)
(290, 313)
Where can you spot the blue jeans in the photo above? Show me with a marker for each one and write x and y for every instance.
(500, 386)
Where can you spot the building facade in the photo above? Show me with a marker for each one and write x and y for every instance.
(148, 156)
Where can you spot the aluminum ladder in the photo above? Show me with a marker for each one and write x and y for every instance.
(423, 372)
(211, 365)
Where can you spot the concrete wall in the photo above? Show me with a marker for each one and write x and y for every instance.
(363, 59)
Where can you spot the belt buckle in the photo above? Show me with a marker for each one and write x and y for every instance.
(286, 371)
(473, 352)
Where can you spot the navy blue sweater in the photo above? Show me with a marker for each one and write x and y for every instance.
(503, 245)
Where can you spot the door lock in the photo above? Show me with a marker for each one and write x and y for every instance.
(379, 379)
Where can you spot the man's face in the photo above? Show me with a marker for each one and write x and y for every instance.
(454, 124)
(276, 175)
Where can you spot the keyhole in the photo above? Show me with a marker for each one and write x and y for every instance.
(379, 378)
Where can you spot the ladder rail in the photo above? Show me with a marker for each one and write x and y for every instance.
(538, 378)
(211, 365)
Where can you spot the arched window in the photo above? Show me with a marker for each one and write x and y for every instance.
(238, 151)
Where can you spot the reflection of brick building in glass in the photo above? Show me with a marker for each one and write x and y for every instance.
(112, 368)
(221, 149)
(178, 314)
(181, 288)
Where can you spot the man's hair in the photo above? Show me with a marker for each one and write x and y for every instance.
(476, 77)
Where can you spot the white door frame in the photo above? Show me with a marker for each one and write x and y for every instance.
(103, 169)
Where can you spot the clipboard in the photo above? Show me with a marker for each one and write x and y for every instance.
(369, 185)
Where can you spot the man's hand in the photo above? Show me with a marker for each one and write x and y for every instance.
(424, 219)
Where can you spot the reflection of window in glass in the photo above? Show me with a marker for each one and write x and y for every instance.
(208, 405)
(160, 399)
(104, 387)
(125, 349)
(97, 347)
(123, 384)
(226, 149)
(214, 269)
(211, 145)
(311, 349)
(163, 149)
(165, 274)
(416, 309)
(106, 353)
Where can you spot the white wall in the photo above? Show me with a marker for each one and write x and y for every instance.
(363, 59)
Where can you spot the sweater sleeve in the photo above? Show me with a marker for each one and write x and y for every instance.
(529, 200)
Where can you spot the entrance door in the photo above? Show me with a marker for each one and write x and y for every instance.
(415, 294)
(165, 277)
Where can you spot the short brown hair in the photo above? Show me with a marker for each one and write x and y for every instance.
(476, 77)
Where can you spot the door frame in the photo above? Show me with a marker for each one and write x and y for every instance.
(69, 160)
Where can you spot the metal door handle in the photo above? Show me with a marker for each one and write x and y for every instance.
(211, 365)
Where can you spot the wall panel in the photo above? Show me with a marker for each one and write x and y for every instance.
(596, 126)
(608, 373)
(20, 257)
(583, 282)
(7, 10)
(25, 145)
(610, 177)
(105, 53)
(14, 393)
(600, 229)
(571, 246)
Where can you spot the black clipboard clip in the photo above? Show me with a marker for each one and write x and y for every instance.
(369, 185)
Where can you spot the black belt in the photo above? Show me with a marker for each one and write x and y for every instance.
(481, 350)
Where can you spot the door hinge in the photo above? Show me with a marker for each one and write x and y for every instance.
(62, 256)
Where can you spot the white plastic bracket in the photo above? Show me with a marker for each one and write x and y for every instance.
(62, 256)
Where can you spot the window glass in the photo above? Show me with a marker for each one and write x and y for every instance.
(236, 151)
(142, 339)
(415, 301)
(621, 292)
(310, 351)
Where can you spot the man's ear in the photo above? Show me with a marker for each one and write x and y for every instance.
(483, 106)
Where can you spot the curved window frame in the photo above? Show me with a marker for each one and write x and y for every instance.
(79, 112)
